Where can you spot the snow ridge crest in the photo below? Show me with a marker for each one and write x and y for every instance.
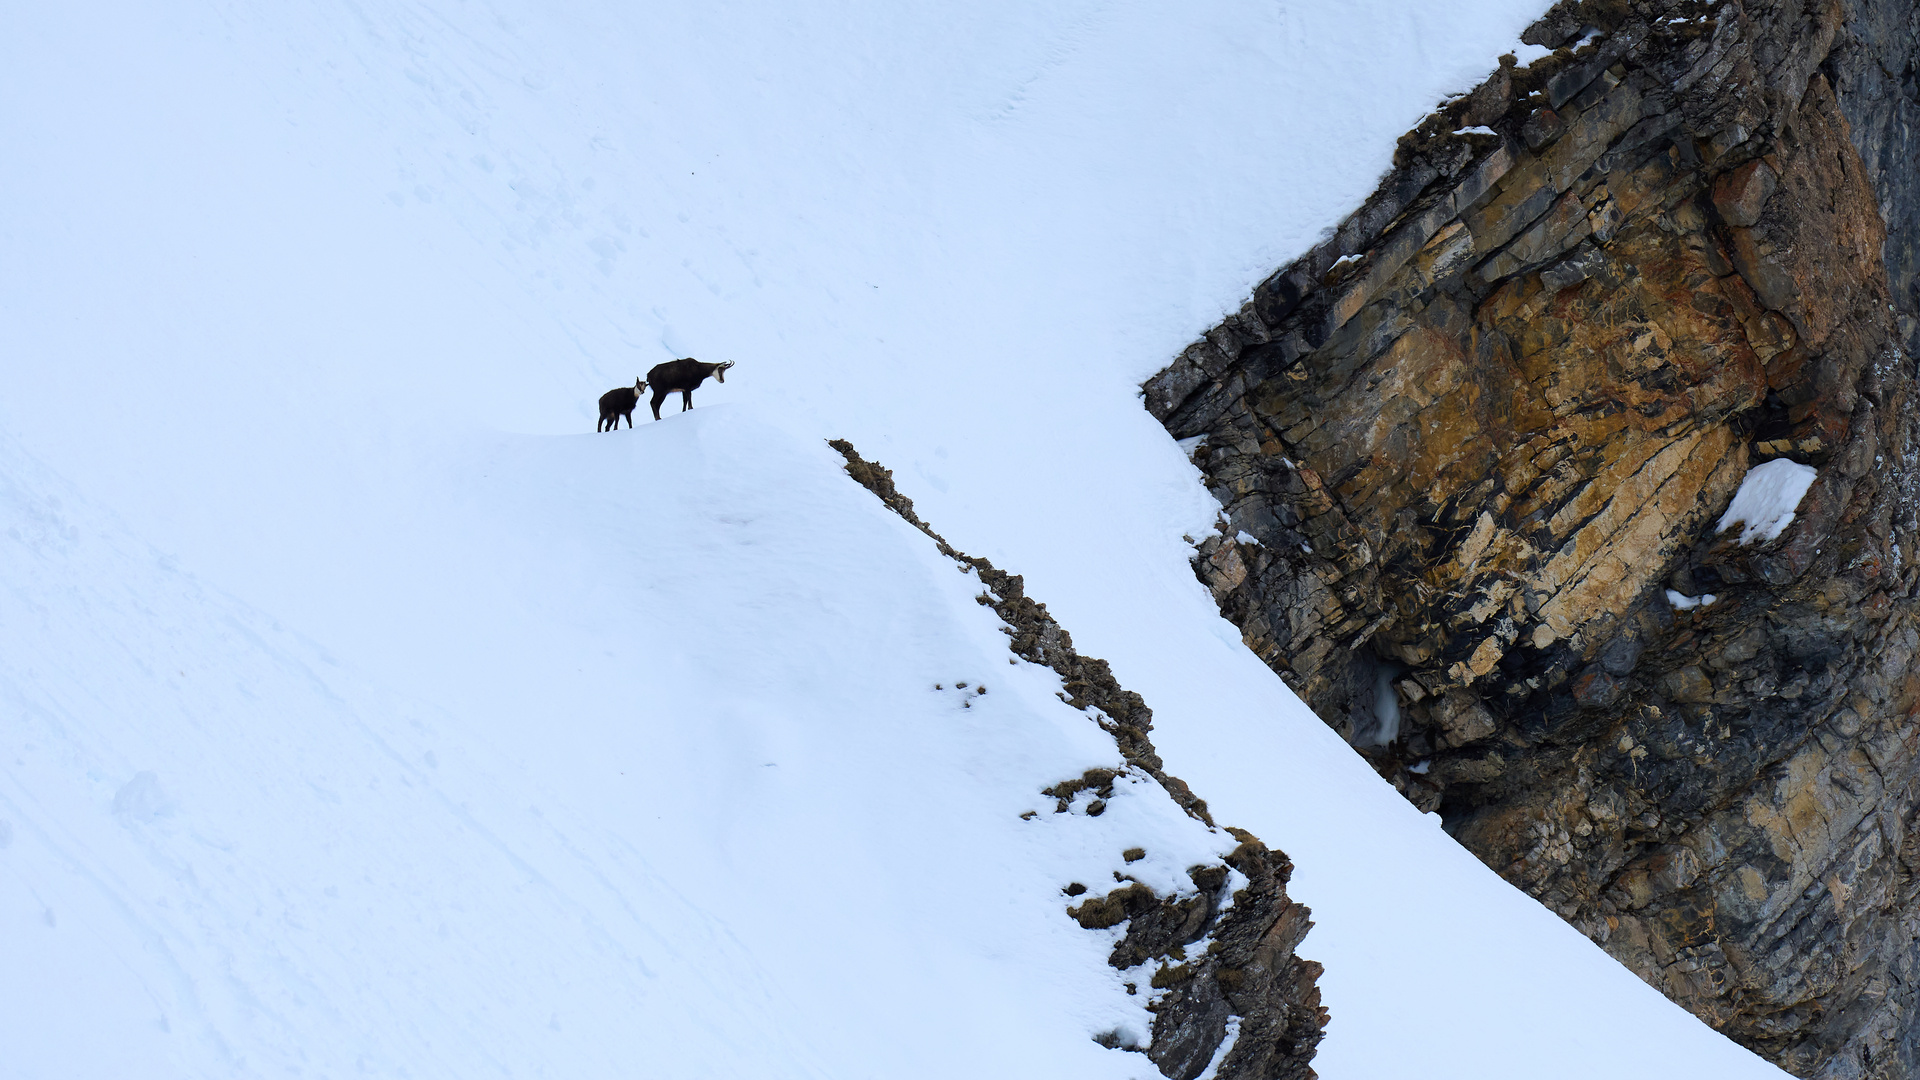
(1246, 977)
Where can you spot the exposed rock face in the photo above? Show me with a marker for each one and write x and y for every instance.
(1875, 77)
(1480, 432)
(1243, 962)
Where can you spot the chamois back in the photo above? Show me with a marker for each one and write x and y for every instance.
(685, 376)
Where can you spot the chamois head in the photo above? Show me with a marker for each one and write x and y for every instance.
(720, 372)
(639, 387)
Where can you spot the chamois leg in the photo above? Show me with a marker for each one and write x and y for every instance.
(658, 397)
(686, 400)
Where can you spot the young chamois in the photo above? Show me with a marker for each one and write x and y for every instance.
(684, 376)
(619, 402)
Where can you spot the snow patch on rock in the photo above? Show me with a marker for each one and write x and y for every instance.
(1767, 499)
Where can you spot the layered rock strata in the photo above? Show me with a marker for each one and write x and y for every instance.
(1242, 961)
(1473, 451)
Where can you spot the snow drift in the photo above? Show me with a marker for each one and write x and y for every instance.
(768, 838)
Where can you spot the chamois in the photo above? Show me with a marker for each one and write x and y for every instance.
(619, 402)
(682, 375)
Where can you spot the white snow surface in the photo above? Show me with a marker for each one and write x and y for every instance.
(718, 817)
(1768, 496)
(1682, 602)
(366, 713)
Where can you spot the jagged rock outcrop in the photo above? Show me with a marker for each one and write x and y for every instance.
(1468, 444)
(1248, 968)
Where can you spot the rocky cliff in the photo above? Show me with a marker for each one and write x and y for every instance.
(1474, 452)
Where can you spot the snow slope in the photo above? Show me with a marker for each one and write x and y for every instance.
(319, 298)
(767, 847)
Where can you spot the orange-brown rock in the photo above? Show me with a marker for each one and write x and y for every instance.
(1479, 453)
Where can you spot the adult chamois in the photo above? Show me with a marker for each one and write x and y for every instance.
(682, 375)
(619, 402)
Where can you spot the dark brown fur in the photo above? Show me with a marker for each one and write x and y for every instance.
(619, 402)
(682, 375)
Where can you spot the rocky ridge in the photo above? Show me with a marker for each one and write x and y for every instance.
(1248, 968)
(1473, 450)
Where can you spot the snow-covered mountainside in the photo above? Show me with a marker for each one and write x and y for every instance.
(366, 712)
(724, 817)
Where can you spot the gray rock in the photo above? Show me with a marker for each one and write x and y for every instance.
(1506, 440)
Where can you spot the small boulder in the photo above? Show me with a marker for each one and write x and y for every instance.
(1739, 195)
(1542, 127)
(1594, 688)
(1462, 718)
(1689, 684)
